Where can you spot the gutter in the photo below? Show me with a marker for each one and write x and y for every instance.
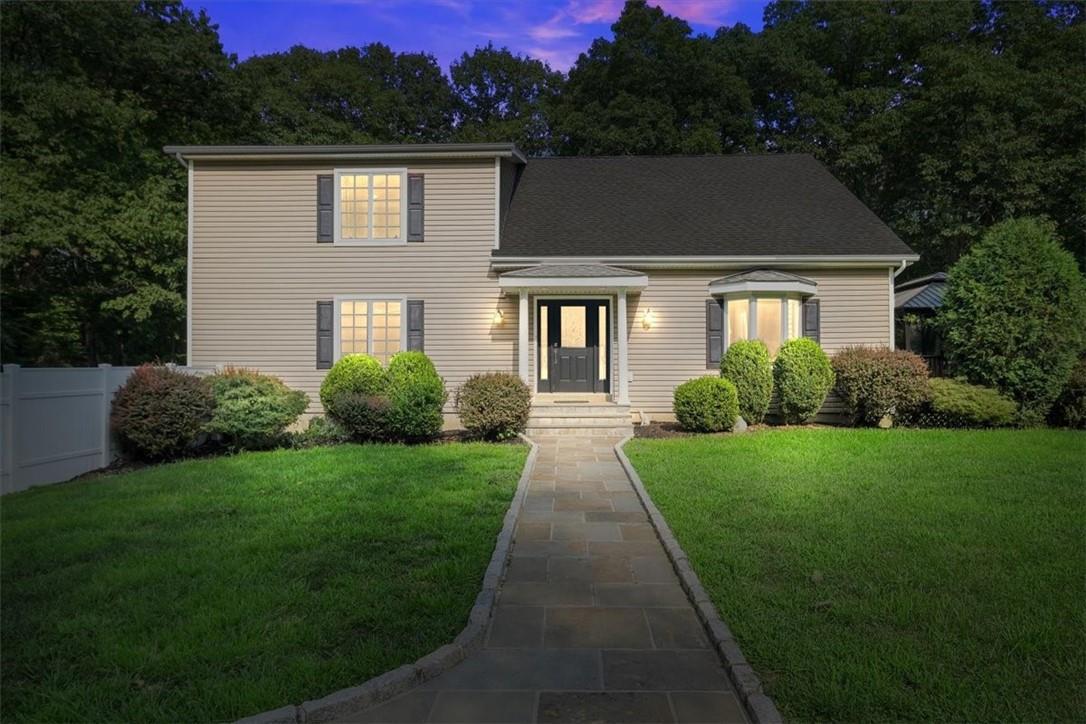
(904, 263)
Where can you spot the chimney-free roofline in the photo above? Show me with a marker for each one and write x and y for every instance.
(389, 151)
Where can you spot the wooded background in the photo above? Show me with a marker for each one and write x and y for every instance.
(943, 117)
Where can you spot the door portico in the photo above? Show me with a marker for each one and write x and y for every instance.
(578, 312)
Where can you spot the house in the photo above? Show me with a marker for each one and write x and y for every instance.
(615, 277)
(915, 304)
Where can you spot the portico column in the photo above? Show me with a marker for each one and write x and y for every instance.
(623, 353)
(522, 339)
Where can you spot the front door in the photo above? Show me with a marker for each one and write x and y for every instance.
(574, 347)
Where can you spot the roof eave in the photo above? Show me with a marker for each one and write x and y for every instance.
(348, 152)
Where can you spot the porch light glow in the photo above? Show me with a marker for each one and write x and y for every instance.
(497, 317)
(649, 320)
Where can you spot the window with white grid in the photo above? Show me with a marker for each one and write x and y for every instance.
(370, 206)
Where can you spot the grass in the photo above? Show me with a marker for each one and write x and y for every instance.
(218, 588)
(875, 575)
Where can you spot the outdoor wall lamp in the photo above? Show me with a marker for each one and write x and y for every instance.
(497, 318)
(649, 319)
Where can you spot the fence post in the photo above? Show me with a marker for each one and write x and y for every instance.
(7, 463)
(107, 454)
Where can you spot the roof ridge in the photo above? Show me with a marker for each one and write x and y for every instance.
(615, 157)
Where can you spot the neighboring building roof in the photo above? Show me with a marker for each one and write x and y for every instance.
(923, 293)
(735, 205)
(393, 150)
(571, 270)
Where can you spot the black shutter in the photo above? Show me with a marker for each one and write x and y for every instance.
(811, 321)
(416, 326)
(714, 333)
(415, 201)
(325, 321)
(326, 191)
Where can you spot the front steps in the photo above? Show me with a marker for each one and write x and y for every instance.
(584, 415)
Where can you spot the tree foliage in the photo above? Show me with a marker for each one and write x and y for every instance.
(945, 118)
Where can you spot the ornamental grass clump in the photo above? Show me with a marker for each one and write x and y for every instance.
(803, 377)
(706, 404)
(159, 413)
(494, 405)
(746, 365)
(875, 382)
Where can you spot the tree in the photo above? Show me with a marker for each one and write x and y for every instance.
(503, 97)
(1014, 314)
(93, 219)
(653, 89)
(352, 95)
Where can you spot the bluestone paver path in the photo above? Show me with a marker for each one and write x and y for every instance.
(591, 623)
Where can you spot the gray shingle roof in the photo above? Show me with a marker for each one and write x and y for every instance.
(571, 270)
(737, 205)
(762, 275)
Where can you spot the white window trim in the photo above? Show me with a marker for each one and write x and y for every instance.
(337, 305)
(752, 314)
(337, 237)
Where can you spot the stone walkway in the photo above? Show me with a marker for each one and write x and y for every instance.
(591, 623)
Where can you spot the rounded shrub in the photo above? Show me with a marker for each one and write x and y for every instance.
(746, 365)
(494, 406)
(1070, 407)
(875, 382)
(803, 377)
(252, 410)
(416, 396)
(955, 403)
(322, 431)
(159, 413)
(706, 404)
(1014, 314)
(354, 373)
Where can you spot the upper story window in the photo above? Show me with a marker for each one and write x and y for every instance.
(370, 206)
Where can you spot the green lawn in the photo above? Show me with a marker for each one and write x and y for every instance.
(218, 588)
(875, 575)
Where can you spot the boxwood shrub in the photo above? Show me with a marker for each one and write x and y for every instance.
(706, 404)
(416, 395)
(352, 377)
(364, 417)
(875, 382)
(494, 405)
(252, 410)
(803, 377)
(159, 413)
(746, 365)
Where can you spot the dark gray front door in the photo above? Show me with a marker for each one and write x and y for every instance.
(574, 345)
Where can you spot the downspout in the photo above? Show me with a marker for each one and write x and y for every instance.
(181, 159)
(904, 263)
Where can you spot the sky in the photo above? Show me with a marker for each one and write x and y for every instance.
(552, 30)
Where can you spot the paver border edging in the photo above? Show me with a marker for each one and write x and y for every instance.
(760, 707)
(393, 683)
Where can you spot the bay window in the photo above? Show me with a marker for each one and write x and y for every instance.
(774, 319)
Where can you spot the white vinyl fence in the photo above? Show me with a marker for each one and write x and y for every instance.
(54, 422)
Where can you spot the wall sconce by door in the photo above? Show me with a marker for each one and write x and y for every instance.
(497, 318)
(649, 320)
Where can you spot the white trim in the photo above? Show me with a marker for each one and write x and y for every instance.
(188, 267)
(522, 342)
(893, 339)
(751, 287)
(623, 349)
(337, 302)
(336, 234)
(694, 261)
(634, 282)
(497, 201)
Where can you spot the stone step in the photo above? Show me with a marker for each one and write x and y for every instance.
(579, 410)
(616, 431)
(610, 421)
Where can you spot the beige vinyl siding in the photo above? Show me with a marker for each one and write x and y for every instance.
(258, 270)
(855, 310)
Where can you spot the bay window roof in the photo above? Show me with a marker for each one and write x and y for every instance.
(770, 281)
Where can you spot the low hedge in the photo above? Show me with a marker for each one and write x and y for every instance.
(746, 365)
(803, 376)
(876, 382)
(252, 410)
(706, 404)
(494, 405)
(955, 403)
(416, 396)
(159, 413)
